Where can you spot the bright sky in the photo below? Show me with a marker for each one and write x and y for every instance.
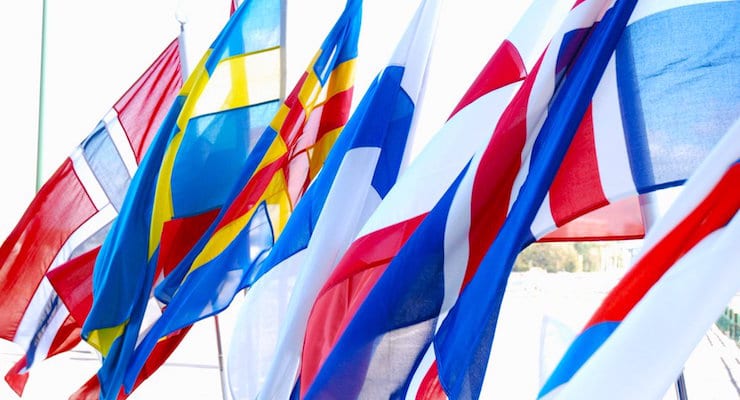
(97, 48)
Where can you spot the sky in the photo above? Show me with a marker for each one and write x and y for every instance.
(95, 49)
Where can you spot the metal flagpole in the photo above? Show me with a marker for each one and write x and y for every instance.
(648, 208)
(221, 371)
(42, 79)
(681, 388)
(283, 49)
(184, 65)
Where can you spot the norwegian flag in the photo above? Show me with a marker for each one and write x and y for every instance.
(431, 314)
(72, 213)
(73, 282)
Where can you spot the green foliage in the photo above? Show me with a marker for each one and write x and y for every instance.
(590, 253)
(564, 256)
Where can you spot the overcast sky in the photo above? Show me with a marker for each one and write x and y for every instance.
(95, 49)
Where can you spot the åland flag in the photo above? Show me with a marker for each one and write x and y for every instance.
(363, 165)
(72, 213)
(636, 343)
(185, 175)
(507, 197)
(274, 178)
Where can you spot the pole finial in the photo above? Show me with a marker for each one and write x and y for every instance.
(181, 14)
(181, 18)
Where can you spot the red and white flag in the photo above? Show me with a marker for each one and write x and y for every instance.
(72, 213)
(636, 343)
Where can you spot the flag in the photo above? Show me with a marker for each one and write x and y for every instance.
(72, 281)
(628, 135)
(408, 202)
(90, 390)
(360, 170)
(620, 220)
(71, 214)
(185, 175)
(295, 145)
(227, 258)
(683, 279)
(415, 305)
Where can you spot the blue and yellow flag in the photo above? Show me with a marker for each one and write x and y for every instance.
(185, 177)
(277, 173)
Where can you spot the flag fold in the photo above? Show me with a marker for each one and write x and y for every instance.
(71, 214)
(359, 172)
(684, 258)
(272, 180)
(218, 116)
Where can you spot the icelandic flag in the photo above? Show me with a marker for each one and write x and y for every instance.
(192, 162)
(681, 282)
(71, 215)
(227, 258)
(413, 196)
(628, 138)
(265, 355)
(507, 198)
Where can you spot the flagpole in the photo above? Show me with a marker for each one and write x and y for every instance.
(221, 373)
(185, 70)
(42, 79)
(283, 48)
(650, 214)
(184, 65)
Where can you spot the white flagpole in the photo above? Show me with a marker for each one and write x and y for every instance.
(184, 65)
(185, 71)
(283, 48)
(219, 347)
